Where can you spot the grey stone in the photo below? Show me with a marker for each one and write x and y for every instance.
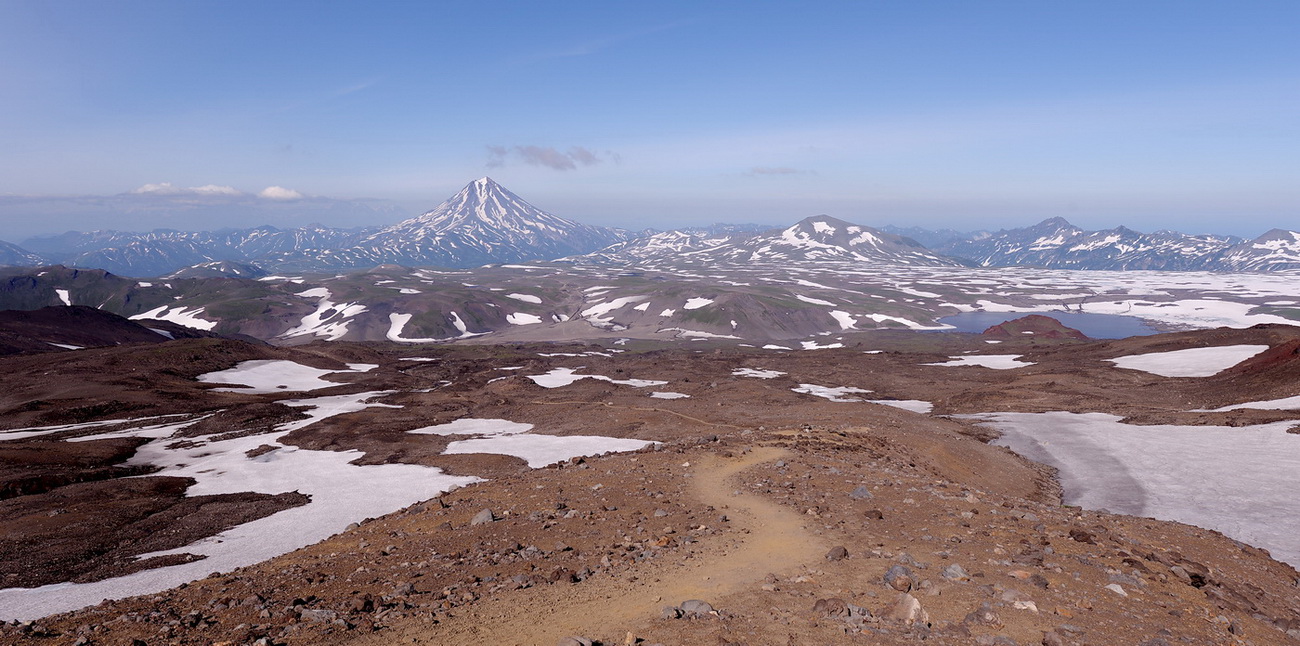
(482, 518)
(837, 553)
(318, 615)
(861, 493)
(955, 572)
(696, 608)
(899, 578)
(574, 641)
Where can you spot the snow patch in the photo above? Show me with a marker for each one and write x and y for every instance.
(994, 361)
(833, 393)
(1193, 362)
(178, 315)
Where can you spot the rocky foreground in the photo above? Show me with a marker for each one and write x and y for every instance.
(763, 516)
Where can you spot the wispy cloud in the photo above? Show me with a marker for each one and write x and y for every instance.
(166, 188)
(775, 170)
(548, 156)
(589, 47)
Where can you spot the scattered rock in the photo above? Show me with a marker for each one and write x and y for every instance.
(696, 608)
(874, 514)
(1083, 536)
(574, 641)
(833, 607)
(955, 572)
(1117, 589)
(983, 616)
(908, 610)
(900, 578)
(837, 553)
(861, 493)
(482, 518)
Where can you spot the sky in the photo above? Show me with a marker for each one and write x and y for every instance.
(195, 115)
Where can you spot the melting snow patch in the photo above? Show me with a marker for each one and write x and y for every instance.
(273, 376)
(846, 321)
(341, 493)
(1193, 362)
(668, 395)
(560, 377)
(813, 345)
(63, 296)
(697, 334)
(667, 312)
(1237, 480)
(914, 405)
(697, 303)
(814, 301)
(329, 320)
(527, 298)
(315, 292)
(994, 361)
(833, 393)
(541, 450)
(1286, 403)
(179, 315)
(66, 346)
(471, 426)
(757, 373)
(397, 323)
(520, 318)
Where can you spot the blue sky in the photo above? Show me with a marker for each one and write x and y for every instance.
(132, 115)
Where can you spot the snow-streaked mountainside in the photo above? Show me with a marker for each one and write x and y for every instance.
(818, 238)
(1277, 249)
(14, 255)
(1057, 244)
(164, 251)
(484, 223)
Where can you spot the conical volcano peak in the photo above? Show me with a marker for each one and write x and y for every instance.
(485, 222)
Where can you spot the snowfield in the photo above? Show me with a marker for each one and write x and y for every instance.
(1193, 362)
(1237, 480)
(273, 376)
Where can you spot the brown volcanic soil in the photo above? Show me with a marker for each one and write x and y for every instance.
(598, 546)
(1035, 325)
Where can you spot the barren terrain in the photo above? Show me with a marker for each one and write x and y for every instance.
(764, 464)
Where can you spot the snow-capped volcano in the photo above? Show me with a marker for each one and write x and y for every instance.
(483, 223)
(488, 208)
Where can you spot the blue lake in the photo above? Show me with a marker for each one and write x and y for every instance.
(1096, 326)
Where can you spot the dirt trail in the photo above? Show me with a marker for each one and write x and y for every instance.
(771, 539)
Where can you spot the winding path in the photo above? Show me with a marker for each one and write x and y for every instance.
(771, 538)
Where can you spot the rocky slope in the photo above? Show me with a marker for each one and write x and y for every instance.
(795, 513)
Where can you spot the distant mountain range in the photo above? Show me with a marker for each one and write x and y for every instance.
(485, 223)
(1057, 244)
(817, 238)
